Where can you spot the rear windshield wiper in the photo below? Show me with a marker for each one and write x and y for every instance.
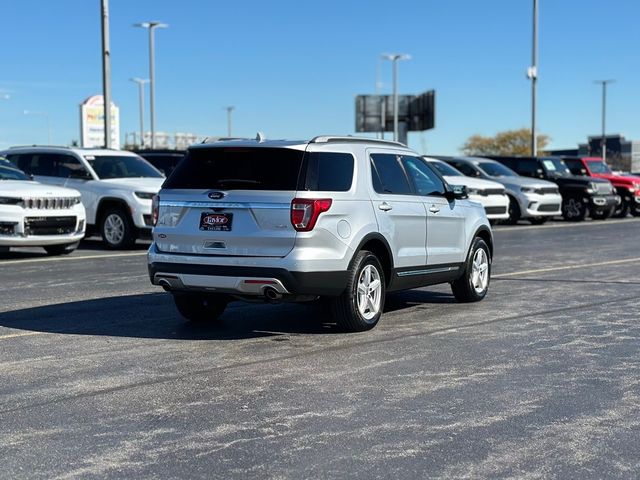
(226, 181)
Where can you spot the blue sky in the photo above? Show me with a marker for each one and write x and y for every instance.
(293, 68)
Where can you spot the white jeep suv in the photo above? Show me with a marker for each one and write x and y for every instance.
(36, 215)
(116, 186)
(338, 217)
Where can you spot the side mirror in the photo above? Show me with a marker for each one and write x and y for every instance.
(457, 192)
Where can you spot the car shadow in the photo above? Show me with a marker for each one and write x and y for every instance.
(154, 316)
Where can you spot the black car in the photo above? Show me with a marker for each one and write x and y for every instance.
(580, 195)
(164, 160)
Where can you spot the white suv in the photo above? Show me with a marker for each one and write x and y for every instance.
(339, 217)
(116, 186)
(35, 215)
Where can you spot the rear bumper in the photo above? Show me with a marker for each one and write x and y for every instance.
(246, 280)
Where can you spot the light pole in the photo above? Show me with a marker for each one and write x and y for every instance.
(532, 74)
(42, 114)
(229, 110)
(141, 82)
(394, 57)
(151, 26)
(603, 141)
(106, 72)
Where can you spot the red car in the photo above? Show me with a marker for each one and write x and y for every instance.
(627, 186)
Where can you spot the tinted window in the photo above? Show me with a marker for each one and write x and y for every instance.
(527, 167)
(391, 176)
(238, 168)
(598, 167)
(466, 169)
(496, 169)
(425, 180)
(67, 166)
(576, 167)
(37, 164)
(555, 166)
(121, 166)
(330, 172)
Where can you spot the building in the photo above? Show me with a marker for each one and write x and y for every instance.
(622, 154)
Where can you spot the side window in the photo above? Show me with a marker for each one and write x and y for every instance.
(466, 169)
(575, 166)
(425, 180)
(37, 164)
(528, 167)
(328, 172)
(68, 166)
(15, 159)
(390, 175)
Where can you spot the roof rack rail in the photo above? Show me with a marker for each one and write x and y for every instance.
(258, 138)
(349, 138)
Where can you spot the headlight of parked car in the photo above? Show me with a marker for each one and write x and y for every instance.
(527, 190)
(144, 195)
(473, 191)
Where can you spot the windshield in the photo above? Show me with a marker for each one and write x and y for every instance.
(598, 167)
(446, 169)
(496, 169)
(8, 173)
(121, 166)
(555, 166)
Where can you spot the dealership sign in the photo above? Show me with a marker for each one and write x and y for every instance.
(92, 123)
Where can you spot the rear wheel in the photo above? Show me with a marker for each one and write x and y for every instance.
(360, 306)
(574, 209)
(116, 229)
(473, 285)
(65, 249)
(200, 307)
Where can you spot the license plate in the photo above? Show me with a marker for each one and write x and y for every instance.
(216, 222)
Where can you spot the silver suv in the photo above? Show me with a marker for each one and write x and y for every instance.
(343, 218)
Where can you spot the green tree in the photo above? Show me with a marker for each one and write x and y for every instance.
(509, 142)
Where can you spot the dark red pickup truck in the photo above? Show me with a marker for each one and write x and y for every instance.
(627, 186)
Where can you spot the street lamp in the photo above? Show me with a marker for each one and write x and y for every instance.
(141, 82)
(229, 110)
(42, 114)
(532, 74)
(603, 141)
(393, 58)
(151, 26)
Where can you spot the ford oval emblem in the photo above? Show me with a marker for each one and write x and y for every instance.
(216, 195)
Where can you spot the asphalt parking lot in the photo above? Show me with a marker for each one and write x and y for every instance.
(101, 378)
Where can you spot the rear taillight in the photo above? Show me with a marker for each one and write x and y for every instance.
(155, 207)
(305, 212)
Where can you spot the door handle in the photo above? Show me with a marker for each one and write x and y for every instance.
(434, 209)
(384, 206)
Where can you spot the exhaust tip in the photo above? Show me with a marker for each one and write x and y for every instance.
(272, 294)
(164, 283)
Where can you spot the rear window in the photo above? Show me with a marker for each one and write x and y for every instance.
(328, 172)
(237, 168)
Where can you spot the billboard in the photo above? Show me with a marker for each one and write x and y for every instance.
(92, 123)
(374, 113)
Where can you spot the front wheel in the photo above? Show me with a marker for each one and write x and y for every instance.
(117, 229)
(65, 249)
(574, 209)
(360, 306)
(514, 212)
(621, 210)
(473, 285)
(200, 307)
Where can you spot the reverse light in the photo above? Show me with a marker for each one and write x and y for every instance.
(305, 212)
(155, 208)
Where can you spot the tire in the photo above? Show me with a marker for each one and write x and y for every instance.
(635, 210)
(514, 212)
(200, 307)
(473, 285)
(117, 229)
(574, 209)
(621, 210)
(360, 306)
(65, 249)
(538, 220)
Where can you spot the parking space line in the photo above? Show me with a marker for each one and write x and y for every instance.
(566, 225)
(65, 259)
(567, 267)
(23, 334)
